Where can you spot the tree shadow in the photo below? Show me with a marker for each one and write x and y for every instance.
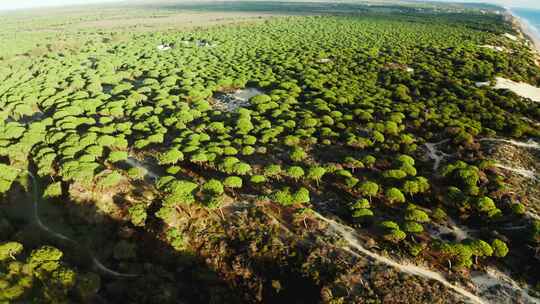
(140, 264)
(134, 264)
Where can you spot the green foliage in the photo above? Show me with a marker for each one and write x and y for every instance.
(137, 214)
(170, 157)
(394, 195)
(110, 180)
(416, 215)
(213, 187)
(295, 172)
(272, 170)
(368, 188)
(286, 198)
(257, 179)
(500, 249)
(233, 182)
(9, 250)
(413, 227)
(116, 156)
(53, 190)
(487, 206)
(316, 173)
(8, 174)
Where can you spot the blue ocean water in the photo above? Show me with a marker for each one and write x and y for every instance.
(531, 17)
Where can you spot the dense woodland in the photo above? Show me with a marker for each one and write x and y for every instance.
(138, 165)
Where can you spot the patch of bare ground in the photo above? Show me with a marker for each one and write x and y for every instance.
(276, 254)
(183, 19)
(513, 162)
(111, 201)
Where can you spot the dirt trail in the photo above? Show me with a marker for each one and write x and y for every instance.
(436, 154)
(500, 288)
(133, 162)
(58, 235)
(531, 144)
(522, 89)
(348, 235)
(530, 174)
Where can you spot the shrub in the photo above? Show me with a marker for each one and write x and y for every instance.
(116, 156)
(368, 188)
(413, 227)
(480, 248)
(361, 203)
(241, 168)
(500, 249)
(302, 196)
(170, 157)
(110, 180)
(298, 154)
(213, 187)
(394, 173)
(233, 182)
(258, 179)
(394, 195)
(295, 172)
(53, 190)
(272, 170)
(395, 236)
(9, 250)
(362, 213)
(137, 214)
(137, 172)
(316, 173)
(416, 215)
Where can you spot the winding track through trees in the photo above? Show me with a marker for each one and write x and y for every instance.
(436, 154)
(95, 261)
(348, 235)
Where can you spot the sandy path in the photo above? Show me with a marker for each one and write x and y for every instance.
(436, 154)
(498, 287)
(133, 162)
(58, 235)
(531, 144)
(530, 174)
(348, 234)
(522, 89)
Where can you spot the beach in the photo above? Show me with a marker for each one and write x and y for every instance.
(526, 30)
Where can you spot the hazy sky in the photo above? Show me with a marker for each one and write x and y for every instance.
(13, 4)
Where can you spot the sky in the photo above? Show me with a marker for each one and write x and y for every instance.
(14, 4)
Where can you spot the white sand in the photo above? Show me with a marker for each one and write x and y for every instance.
(498, 287)
(240, 98)
(436, 154)
(480, 84)
(495, 48)
(531, 144)
(522, 89)
(530, 174)
(163, 47)
(324, 60)
(511, 37)
(133, 162)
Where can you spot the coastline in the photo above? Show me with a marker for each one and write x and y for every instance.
(526, 31)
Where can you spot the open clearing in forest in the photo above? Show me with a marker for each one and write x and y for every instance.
(522, 89)
(174, 21)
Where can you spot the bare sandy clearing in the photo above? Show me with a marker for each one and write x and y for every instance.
(511, 37)
(522, 89)
(184, 19)
(495, 48)
(240, 98)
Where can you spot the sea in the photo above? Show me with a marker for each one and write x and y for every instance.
(531, 17)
